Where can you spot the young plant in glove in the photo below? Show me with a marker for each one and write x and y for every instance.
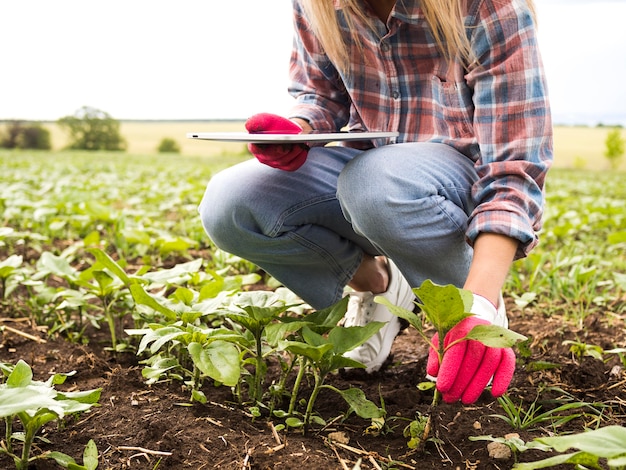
(476, 347)
(287, 156)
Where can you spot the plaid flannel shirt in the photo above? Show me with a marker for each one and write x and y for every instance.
(495, 111)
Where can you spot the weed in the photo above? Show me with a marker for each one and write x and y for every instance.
(535, 416)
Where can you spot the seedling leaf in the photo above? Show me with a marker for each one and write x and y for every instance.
(495, 336)
(219, 360)
(62, 459)
(313, 352)
(90, 455)
(348, 338)
(355, 397)
(27, 397)
(110, 264)
(607, 442)
(578, 458)
(413, 319)
(323, 320)
(444, 306)
(21, 375)
(143, 298)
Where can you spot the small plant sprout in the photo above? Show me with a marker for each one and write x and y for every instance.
(444, 307)
(580, 350)
(254, 311)
(417, 431)
(535, 416)
(183, 340)
(33, 404)
(90, 458)
(323, 348)
(8, 269)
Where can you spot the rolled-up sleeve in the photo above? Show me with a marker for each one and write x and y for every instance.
(511, 122)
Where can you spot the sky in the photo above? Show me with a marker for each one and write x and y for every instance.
(209, 59)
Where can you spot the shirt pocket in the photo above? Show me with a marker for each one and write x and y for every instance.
(454, 108)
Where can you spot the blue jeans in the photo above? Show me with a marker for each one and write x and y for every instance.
(310, 228)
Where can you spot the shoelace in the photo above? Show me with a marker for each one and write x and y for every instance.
(358, 309)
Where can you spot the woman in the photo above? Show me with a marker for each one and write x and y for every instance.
(455, 199)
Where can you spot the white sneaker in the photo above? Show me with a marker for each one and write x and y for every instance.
(362, 310)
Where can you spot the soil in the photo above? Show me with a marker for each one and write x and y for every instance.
(138, 426)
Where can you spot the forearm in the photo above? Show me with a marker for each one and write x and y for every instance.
(493, 257)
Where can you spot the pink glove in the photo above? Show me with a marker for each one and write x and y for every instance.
(288, 157)
(468, 366)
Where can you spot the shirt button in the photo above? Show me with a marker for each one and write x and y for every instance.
(385, 47)
(395, 95)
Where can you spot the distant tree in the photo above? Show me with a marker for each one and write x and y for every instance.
(35, 136)
(11, 135)
(614, 148)
(26, 135)
(168, 145)
(93, 129)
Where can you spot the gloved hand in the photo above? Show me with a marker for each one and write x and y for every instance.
(468, 366)
(288, 157)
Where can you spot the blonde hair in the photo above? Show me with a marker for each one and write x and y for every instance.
(445, 18)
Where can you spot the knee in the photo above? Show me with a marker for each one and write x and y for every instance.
(366, 188)
(219, 209)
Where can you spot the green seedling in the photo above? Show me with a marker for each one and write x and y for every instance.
(444, 307)
(608, 443)
(98, 282)
(9, 274)
(183, 338)
(534, 417)
(320, 321)
(580, 350)
(90, 458)
(417, 431)
(254, 312)
(33, 404)
(324, 353)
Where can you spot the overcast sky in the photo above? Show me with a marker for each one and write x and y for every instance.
(209, 59)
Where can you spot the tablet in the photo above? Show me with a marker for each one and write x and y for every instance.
(289, 138)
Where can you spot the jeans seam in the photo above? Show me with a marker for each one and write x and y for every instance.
(460, 229)
(280, 221)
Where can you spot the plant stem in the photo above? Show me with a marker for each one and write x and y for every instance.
(319, 380)
(28, 441)
(440, 352)
(111, 322)
(296, 385)
(436, 398)
(9, 431)
(258, 378)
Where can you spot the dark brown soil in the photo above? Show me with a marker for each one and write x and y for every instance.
(146, 427)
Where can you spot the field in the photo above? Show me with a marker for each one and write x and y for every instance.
(575, 147)
(197, 360)
(143, 137)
